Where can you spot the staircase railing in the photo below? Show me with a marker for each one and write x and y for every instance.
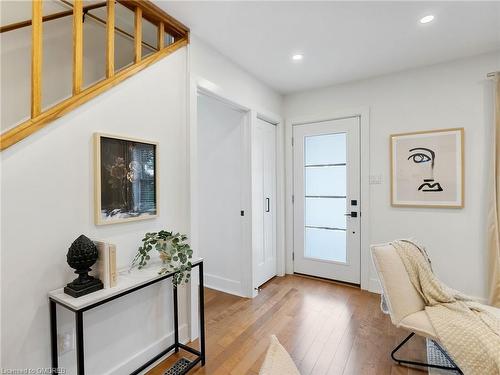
(142, 9)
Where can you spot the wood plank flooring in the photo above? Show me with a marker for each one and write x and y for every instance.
(327, 328)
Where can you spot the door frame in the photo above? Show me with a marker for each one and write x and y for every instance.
(246, 193)
(196, 84)
(364, 114)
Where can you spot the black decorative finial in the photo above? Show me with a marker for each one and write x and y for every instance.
(82, 254)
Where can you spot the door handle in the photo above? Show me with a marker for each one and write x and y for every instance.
(268, 205)
(351, 214)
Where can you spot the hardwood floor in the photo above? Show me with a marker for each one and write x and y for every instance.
(327, 328)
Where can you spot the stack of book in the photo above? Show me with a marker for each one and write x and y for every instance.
(105, 267)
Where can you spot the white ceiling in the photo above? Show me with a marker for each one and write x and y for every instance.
(341, 41)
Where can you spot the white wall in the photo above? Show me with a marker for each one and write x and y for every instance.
(221, 76)
(455, 94)
(47, 201)
(213, 72)
(47, 190)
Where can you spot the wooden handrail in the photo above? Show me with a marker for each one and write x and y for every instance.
(66, 13)
(143, 8)
(121, 31)
(50, 17)
(104, 22)
(14, 135)
(154, 14)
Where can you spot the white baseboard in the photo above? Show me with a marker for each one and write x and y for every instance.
(223, 285)
(149, 352)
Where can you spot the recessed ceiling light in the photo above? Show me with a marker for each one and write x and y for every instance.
(427, 19)
(297, 57)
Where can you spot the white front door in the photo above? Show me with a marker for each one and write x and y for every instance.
(326, 199)
(264, 201)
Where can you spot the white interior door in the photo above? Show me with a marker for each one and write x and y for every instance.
(326, 199)
(221, 176)
(264, 201)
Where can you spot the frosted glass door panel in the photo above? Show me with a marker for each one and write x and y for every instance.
(325, 196)
(326, 213)
(326, 181)
(326, 244)
(325, 149)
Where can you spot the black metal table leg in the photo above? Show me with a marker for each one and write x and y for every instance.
(202, 314)
(53, 336)
(176, 321)
(80, 358)
(80, 355)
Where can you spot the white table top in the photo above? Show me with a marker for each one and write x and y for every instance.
(126, 281)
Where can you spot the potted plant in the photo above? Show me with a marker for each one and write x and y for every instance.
(173, 250)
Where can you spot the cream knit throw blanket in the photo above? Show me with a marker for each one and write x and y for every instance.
(469, 333)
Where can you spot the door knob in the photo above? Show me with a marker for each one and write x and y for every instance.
(352, 214)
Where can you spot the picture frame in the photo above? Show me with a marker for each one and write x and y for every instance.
(427, 168)
(126, 179)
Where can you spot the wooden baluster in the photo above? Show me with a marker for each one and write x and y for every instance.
(110, 35)
(138, 34)
(36, 58)
(161, 35)
(39, 117)
(77, 46)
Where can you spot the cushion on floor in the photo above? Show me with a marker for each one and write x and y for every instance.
(278, 361)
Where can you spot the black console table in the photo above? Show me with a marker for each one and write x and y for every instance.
(127, 283)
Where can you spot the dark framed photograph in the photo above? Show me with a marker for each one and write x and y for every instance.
(126, 179)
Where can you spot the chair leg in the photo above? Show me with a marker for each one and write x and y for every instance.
(423, 364)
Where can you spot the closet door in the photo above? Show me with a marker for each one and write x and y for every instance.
(264, 201)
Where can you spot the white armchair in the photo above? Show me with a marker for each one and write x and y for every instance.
(405, 305)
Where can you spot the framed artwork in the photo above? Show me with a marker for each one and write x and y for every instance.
(126, 179)
(427, 168)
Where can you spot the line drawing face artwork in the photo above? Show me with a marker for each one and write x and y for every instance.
(427, 168)
(422, 155)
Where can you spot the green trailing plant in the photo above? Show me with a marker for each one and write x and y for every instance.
(173, 250)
